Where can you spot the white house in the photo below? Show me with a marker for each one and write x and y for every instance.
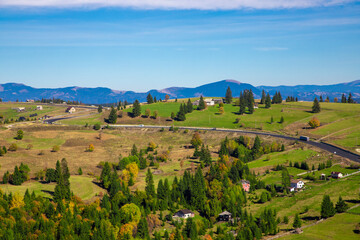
(70, 110)
(20, 109)
(336, 175)
(39, 107)
(185, 213)
(297, 184)
(209, 102)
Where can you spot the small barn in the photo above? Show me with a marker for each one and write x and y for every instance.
(297, 184)
(224, 216)
(70, 110)
(39, 107)
(245, 185)
(336, 175)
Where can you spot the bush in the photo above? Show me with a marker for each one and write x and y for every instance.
(55, 148)
(29, 146)
(20, 134)
(91, 148)
(80, 172)
(97, 126)
(13, 147)
(314, 122)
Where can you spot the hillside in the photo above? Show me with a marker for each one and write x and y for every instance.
(101, 95)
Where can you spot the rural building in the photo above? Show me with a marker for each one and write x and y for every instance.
(224, 216)
(39, 108)
(256, 106)
(70, 110)
(291, 189)
(245, 185)
(297, 184)
(20, 109)
(217, 101)
(30, 100)
(185, 213)
(336, 175)
(209, 102)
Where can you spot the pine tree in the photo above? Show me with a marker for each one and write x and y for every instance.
(285, 178)
(142, 229)
(343, 98)
(17, 177)
(263, 97)
(136, 111)
(112, 116)
(316, 106)
(150, 188)
(189, 106)
(341, 206)
(228, 96)
(267, 101)
(134, 151)
(180, 116)
(242, 104)
(149, 99)
(251, 102)
(100, 109)
(321, 98)
(350, 99)
(327, 207)
(202, 104)
(297, 221)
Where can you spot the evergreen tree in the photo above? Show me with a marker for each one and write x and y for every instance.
(112, 116)
(100, 109)
(228, 96)
(267, 101)
(17, 177)
(285, 179)
(242, 104)
(150, 188)
(142, 229)
(297, 221)
(149, 99)
(134, 151)
(263, 97)
(136, 111)
(251, 102)
(343, 98)
(350, 99)
(316, 106)
(105, 175)
(180, 116)
(327, 207)
(202, 104)
(321, 98)
(189, 106)
(341, 206)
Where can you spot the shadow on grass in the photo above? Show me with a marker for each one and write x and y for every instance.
(311, 218)
(49, 192)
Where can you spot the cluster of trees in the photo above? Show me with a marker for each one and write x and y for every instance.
(246, 101)
(265, 99)
(277, 98)
(328, 209)
(58, 101)
(348, 100)
(150, 99)
(3, 151)
(322, 166)
(291, 99)
(18, 177)
(183, 110)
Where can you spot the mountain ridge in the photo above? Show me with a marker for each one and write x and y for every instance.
(101, 95)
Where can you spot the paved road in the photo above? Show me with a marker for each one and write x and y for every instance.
(321, 145)
(325, 146)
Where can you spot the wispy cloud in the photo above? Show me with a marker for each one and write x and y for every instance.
(176, 4)
(268, 49)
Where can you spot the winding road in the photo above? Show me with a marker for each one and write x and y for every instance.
(325, 146)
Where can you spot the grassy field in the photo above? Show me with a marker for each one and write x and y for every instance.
(7, 111)
(81, 186)
(340, 226)
(274, 159)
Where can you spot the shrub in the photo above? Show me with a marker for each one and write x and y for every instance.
(80, 172)
(55, 148)
(97, 126)
(29, 146)
(20, 134)
(314, 122)
(13, 147)
(91, 148)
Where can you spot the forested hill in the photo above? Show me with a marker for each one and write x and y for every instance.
(100, 95)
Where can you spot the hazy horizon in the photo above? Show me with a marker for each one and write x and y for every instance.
(143, 45)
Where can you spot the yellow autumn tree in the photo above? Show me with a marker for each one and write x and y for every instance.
(17, 201)
(126, 231)
(314, 122)
(133, 169)
(132, 212)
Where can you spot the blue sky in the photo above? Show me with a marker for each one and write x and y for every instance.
(142, 45)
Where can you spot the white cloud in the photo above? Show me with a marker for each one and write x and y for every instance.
(175, 4)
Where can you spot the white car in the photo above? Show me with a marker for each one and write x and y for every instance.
(141, 125)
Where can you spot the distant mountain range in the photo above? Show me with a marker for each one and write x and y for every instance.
(100, 95)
